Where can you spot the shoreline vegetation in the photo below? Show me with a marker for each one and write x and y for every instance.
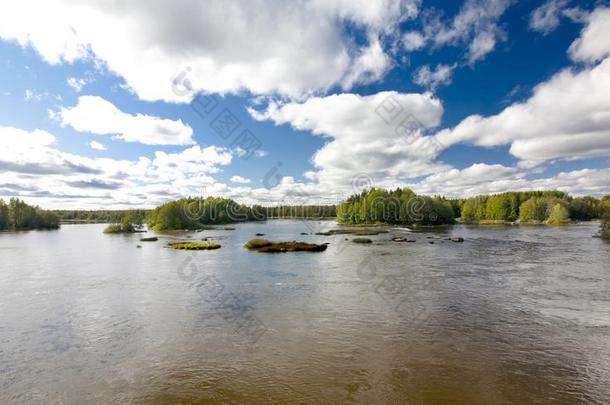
(16, 215)
(132, 222)
(371, 208)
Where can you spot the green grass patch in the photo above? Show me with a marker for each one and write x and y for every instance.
(194, 245)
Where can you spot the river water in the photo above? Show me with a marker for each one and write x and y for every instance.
(512, 315)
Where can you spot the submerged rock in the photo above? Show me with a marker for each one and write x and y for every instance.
(150, 239)
(457, 239)
(362, 240)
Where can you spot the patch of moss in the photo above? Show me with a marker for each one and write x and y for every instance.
(362, 240)
(265, 246)
(194, 246)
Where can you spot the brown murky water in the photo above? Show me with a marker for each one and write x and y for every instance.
(513, 315)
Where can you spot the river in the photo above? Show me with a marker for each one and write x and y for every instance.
(512, 315)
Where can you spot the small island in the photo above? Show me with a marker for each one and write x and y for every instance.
(194, 245)
(265, 246)
(131, 223)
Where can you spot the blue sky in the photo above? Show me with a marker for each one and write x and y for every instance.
(454, 98)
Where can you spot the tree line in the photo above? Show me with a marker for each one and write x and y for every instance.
(17, 215)
(403, 206)
(98, 216)
(399, 206)
(552, 207)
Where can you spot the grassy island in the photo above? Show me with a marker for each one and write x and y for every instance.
(194, 245)
(265, 246)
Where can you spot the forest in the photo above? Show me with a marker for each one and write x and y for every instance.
(399, 206)
(551, 207)
(403, 206)
(17, 215)
(97, 216)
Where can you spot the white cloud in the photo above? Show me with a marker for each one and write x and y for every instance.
(433, 78)
(475, 26)
(546, 17)
(240, 180)
(29, 95)
(594, 42)
(413, 41)
(262, 46)
(380, 135)
(97, 146)
(567, 117)
(78, 83)
(32, 167)
(98, 116)
(486, 179)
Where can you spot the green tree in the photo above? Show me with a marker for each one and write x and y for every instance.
(559, 214)
(534, 209)
(498, 207)
(474, 209)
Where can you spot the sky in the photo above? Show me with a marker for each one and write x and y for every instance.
(132, 104)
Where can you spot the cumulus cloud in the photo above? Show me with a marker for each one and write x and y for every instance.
(97, 146)
(434, 78)
(262, 46)
(31, 166)
(381, 135)
(568, 116)
(487, 179)
(240, 180)
(594, 41)
(98, 116)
